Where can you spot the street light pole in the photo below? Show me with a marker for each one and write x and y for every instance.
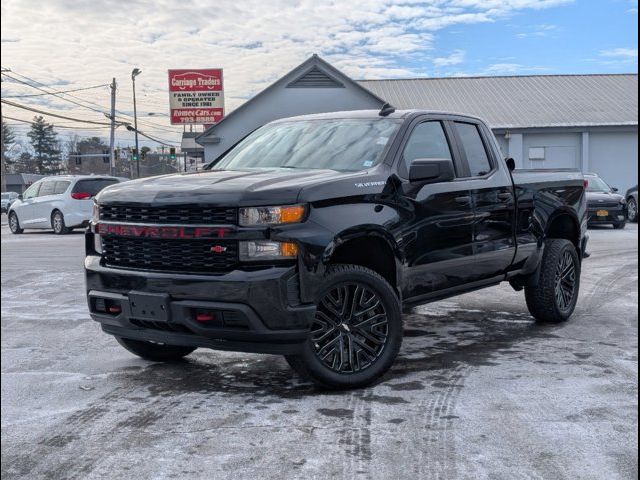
(112, 133)
(134, 73)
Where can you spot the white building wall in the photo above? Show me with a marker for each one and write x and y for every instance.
(614, 157)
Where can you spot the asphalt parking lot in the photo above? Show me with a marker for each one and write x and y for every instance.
(479, 390)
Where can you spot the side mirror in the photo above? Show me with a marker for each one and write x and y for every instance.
(431, 170)
(19, 197)
(511, 164)
(614, 189)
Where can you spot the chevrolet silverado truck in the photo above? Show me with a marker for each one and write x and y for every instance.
(312, 235)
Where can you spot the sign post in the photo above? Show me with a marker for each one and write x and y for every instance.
(196, 97)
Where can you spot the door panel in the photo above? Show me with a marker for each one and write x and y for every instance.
(436, 219)
(493, 202)
(25, 209)
(41, 206)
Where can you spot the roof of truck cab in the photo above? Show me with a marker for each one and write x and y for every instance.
(400, 114)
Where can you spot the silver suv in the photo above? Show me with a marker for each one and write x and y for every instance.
(7, 199)
(59, 203)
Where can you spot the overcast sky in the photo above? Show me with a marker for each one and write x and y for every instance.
(67, 44)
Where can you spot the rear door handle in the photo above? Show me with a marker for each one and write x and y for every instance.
(464, 200)
(505, 196)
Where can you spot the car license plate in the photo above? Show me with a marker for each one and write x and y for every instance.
(602, 213)
(149, 306)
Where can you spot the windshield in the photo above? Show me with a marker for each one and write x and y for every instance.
(596, 184)
(337, 144)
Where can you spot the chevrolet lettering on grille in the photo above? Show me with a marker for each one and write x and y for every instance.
(144, 231)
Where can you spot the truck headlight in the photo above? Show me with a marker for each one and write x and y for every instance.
(254, 216)
(97, 243)
(252, 251)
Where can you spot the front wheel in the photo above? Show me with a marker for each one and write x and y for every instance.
(14, 224)
(619, 226)
(156, 352)
(356, 333)
(554, 298)
(632, 210)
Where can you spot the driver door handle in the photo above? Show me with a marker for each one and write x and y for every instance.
(505, 196)
(464, 200)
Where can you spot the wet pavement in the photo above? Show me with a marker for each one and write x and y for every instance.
(478, 391)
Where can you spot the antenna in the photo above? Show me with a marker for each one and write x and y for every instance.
(386, 109)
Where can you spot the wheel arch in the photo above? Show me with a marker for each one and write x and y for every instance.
(372, 248)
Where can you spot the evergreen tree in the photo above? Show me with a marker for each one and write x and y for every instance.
(45, 147)
(8, 138)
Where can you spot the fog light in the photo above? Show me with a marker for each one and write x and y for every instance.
(205, 316)
(115, 309)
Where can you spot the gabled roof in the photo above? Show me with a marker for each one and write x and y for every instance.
(313, 72)
(521, 101)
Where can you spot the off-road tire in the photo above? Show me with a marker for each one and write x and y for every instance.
(545, 303)
(155, 351)
(14, 224)
(57, 223)
(369, 288)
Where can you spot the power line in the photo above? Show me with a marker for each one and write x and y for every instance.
(17, 105)
(53, 93)
(55, 125)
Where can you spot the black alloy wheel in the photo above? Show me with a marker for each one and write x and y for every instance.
(350, 329)
(356, 333)
(565, 282)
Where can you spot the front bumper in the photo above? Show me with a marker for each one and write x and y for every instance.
(616, 214)
(254, 311)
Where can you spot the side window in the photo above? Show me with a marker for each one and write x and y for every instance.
(474, 149)
(32, 191)
(46, 189)
(427, 140)
(60, 187)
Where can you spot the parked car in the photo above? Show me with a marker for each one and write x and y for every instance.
(7, 199)
(310, 236)
(605, 205)
(632, 204)
(61, 203)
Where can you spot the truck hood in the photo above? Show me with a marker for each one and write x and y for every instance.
(220, 187)
(593, 198)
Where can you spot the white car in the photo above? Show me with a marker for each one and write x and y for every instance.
(60, 203)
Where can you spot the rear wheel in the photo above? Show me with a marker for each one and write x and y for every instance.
(356, 333)
(632, 210)
(157, 352)
(57, 223)
(14, 223)
(554, 298)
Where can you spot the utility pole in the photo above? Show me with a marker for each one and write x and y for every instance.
(112, 135)
(134, 73)
(3, 165)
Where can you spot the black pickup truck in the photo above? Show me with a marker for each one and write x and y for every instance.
(309, 237)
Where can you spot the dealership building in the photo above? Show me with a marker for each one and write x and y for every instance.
(589, 122)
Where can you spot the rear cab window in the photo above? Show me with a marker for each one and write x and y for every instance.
(475, 151)
(93, 186)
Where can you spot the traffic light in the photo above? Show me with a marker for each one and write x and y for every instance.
(135, 155)
(172, 153)
(106, 155)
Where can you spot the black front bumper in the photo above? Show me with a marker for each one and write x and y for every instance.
(616, 214)
(253, 311)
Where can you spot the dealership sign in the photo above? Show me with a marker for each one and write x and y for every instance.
(196, 96)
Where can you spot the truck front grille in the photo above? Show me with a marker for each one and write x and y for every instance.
(178, 215)
(169, 255)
